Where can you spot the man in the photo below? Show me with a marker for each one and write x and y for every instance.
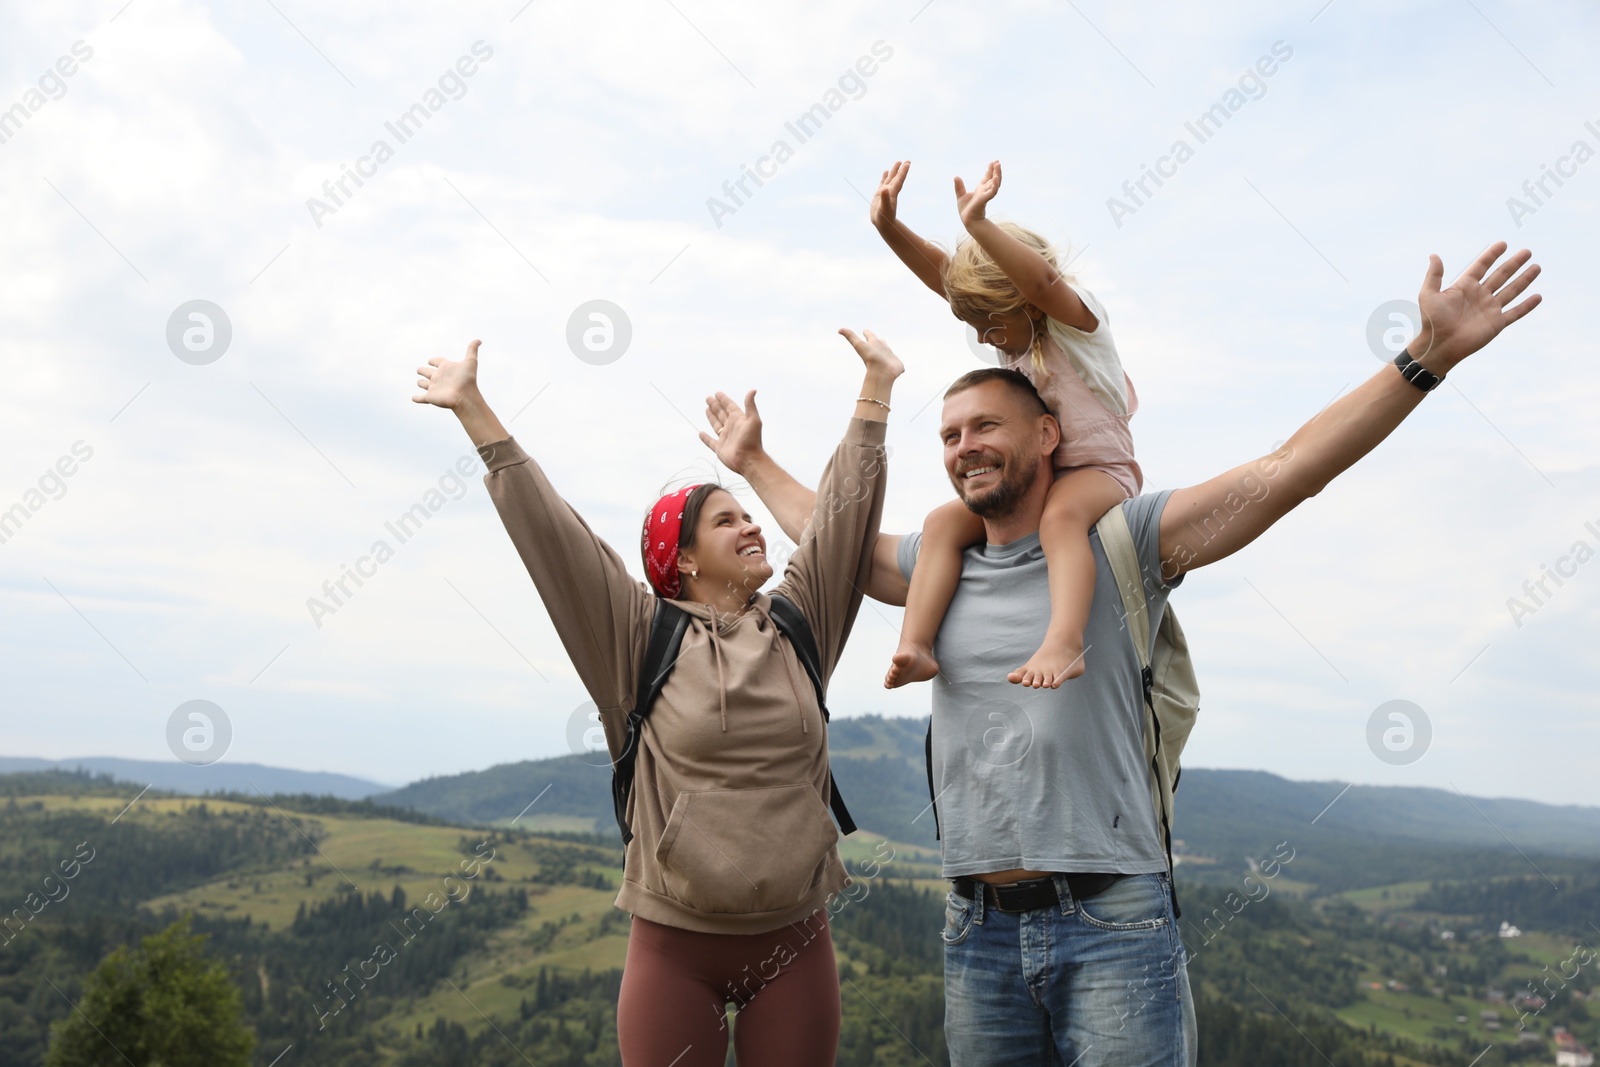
(1061, 944)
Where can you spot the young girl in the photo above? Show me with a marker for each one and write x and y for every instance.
(1005, 282)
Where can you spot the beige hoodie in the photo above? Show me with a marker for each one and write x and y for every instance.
(730, 795)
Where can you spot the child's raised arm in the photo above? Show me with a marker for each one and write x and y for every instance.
(927, 261)
(1039, 283)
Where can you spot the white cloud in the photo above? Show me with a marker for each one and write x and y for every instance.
(590, 142)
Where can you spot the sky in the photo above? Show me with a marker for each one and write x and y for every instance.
(187, 485)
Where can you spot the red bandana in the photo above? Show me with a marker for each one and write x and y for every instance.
(662, 528)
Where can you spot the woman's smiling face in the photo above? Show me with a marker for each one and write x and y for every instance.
(727, 549)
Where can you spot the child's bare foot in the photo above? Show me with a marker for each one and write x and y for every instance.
(1054, 663)
(909, 664)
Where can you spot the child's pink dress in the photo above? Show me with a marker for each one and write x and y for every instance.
(1086, 389)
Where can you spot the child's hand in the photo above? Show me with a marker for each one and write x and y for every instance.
(971, 205)
(888, 194)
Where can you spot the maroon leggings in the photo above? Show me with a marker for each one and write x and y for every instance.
(676, 985)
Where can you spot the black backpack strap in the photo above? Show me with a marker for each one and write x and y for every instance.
(667, 628)
(933, 798)
(1147, 678)
(798, 631)
(793, 625)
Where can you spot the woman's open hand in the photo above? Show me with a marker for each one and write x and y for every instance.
(875, 354)
(445, 382)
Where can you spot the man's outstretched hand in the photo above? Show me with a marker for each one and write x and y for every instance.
(1458, 321)
(738, 430)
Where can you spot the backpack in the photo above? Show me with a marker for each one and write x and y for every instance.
(667, 628)
(1171, 691)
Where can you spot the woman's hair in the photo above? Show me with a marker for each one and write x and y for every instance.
(691, 512)
(977, 288)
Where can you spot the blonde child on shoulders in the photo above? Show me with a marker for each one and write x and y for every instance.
(1006, 283)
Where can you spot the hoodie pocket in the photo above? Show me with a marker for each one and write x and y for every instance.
(740, 851)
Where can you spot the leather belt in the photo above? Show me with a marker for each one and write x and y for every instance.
(1033, 893)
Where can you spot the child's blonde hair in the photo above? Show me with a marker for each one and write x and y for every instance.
(977, 288)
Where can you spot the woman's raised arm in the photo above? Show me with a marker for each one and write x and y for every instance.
(601, 613)
(453, 384)
(829, 570)
(737, 443)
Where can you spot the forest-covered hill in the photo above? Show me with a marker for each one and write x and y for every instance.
(502, 924)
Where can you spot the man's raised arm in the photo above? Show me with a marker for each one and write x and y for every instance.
(1213, 520)
(738, 445)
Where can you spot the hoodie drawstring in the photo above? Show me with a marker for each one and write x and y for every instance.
(713, 628)
(722, 682)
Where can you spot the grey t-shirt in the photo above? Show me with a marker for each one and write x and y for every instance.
(1043, 779)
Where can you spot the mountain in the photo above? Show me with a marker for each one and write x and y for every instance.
(1345, 933)
(886, 789)
(1212, 804)
(223, 777)
(1353, 835)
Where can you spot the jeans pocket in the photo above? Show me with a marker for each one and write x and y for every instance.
(958, 913)
(1135, 902)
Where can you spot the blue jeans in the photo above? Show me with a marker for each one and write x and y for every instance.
(1079, 984)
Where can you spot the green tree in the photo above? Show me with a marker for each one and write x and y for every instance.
(165, 1005)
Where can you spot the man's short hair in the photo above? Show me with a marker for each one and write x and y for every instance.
(1015, 380)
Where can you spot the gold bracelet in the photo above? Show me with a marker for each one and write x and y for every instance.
(870, 400)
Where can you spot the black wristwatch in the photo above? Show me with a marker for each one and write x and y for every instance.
(1416, 373)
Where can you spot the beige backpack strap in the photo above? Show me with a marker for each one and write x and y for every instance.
(1116, 540)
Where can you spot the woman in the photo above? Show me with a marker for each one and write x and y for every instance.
(733, 855)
